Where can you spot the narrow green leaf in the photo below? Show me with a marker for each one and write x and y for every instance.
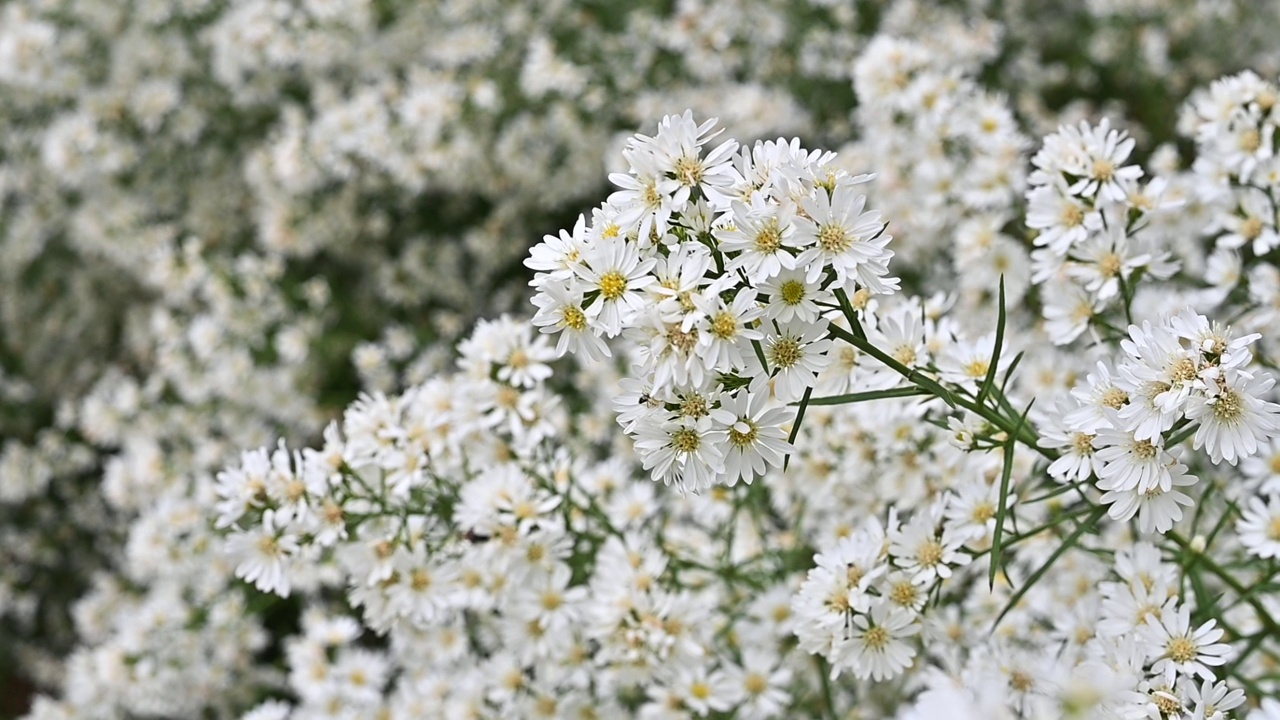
(1008, 374)
(760, 355)
(1002, 511)
(867, 396)
(1186, 433)
(846, 307)
(795, 427)
(914, 376)
(1001, 317)
(1067, 544)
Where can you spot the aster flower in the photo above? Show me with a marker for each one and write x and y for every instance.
(264, 554)
(1157, 507)
(1234, 418)
(796, 352)
(686, 451)
(837, 234)
(560, 311)
(877, 647)
(1179, 650)
(759, 238)
(792, 297)
(1259, 527)
(918, 549)
(755, 435)
(1129, 463)
(614, 271)
(727, 329)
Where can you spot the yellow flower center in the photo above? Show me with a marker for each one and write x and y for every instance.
(612, 285)
(786, 352)
(876, 638)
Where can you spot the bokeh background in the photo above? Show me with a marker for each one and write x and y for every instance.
(221, 221)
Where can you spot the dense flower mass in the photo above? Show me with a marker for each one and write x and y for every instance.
(357, 359)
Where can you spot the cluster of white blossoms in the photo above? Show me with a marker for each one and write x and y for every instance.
(1125, 424)
(1088, 209)
(210, 211)
(720, 266)
(513, 573)
(220, 223)
(510, 558)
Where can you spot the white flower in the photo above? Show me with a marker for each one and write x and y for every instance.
(1098, 398)
(1157, 507)
(613, 269)
(1234, 418)
(762, 686)
(761, 236)
(556, 256)
(792, 297)
(1259, 527)
(839, 235)
(1063, 221)
(264, 555)
(795, 352)
(1128, 463)
(918, 548)
(686, 451)
(560, 310)
(877, 646)
(727, 329)
(1211, 700)
(1180, 650)
(756, 440)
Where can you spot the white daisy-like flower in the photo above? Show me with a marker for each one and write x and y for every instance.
(1212, 699)
(1068, 310)
(1158, 507)
(762, 685)
(264, 554)
(1062, 220)
(614, 271)
(792, 297)
(762, 238)
(727, 329)
(556, 256)
(1259, 527)
(685, 451)
(1076, 448)
(1179, 650)
(918, 549)
(560, 311)
(795, 352)
(877, 646)
(1234, 418)
(836, 587)
(1125, 462)
(756, 439)
(1159, 367)
(647, 197)
(839, 235)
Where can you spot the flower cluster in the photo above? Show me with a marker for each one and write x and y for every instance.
(1019, 461)
(1088, 210)
(1125, 424)
(720, 266)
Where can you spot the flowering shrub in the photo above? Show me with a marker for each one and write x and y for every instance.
(971, 418)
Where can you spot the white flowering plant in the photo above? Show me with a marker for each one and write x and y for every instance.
(949, 422)
(748, 290)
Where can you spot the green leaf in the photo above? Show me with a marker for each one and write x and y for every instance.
(795, 427)
(1001, 317)
(870, 395)
(1002, 511)
(1067, 544)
